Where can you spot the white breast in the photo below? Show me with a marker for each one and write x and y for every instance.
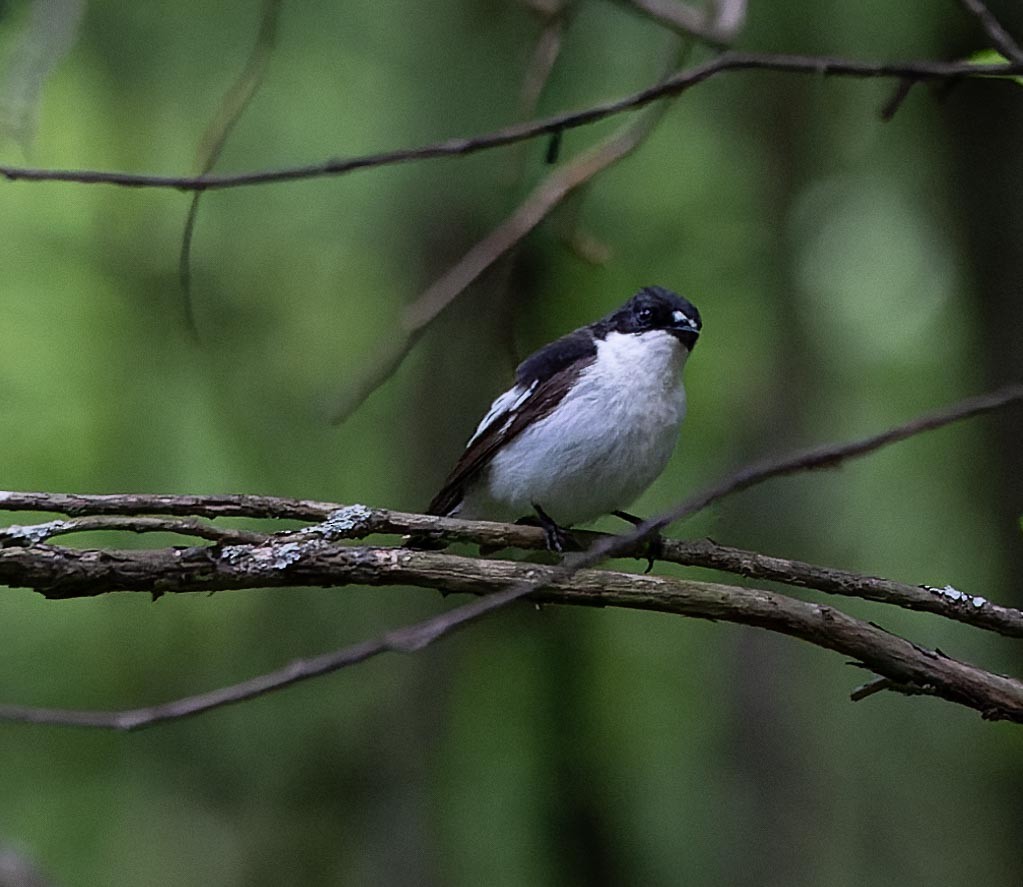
(604, 444)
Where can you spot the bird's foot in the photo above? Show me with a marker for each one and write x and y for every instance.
(557, 538)
(652, 548)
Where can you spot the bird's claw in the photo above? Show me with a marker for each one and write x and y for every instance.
(556, 538)
(653, 550)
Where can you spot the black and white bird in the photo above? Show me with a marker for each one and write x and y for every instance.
(589, 424)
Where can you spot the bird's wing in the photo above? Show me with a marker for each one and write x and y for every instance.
(542, 381)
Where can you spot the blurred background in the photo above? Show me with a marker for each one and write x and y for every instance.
(851, 274)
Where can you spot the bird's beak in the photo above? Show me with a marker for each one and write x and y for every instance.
(684, 329)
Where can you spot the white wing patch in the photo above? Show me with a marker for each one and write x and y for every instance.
(504, 407)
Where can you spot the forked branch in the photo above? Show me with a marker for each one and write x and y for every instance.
(888, 655)
(318, 555)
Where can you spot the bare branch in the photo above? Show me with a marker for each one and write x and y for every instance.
(309, 557)
(947, 601)
(350, 522)
(232, 107)
(34, 534)
(407, 640)
(679, 83)
(879, 685)
(1000, 38)
(554, 16)
(832, 455)
(899, 95)
(546, 197)
(825, 456)
(545, 55)
(244, 505)
(558, 185)
(892, 657)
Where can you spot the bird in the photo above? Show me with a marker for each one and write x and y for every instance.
(588, 425)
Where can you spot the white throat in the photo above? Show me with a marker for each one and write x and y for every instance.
(652, 358)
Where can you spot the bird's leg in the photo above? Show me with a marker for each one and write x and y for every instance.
(654, 545)
(557, 538)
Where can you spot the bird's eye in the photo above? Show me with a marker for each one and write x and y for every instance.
(645, 315)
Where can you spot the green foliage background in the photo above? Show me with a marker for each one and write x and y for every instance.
(848, 272)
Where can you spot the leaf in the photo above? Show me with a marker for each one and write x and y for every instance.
(993, 57)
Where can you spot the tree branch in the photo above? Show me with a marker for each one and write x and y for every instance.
(678, 83)
(541, 202)
(240, 505)
(545, 55)
(232, 106)
(1000, 38)
(888, 655)
(311, 557)
(945, 601)
(358, 522)
(16, 535)
(825, 456)
(247, 505)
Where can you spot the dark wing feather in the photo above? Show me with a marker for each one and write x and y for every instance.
(559, 354)
(553, 369)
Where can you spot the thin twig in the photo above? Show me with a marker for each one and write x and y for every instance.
(357, 522)
(948, 602)
(545, 55)
(57, 569)
(832, 455)
(898, 97)
(1001, 39)
(879, 685)
(888, 655)
(584, 245)
(548, 195)
(239, 505)
(680, 82)
(33, 534)
(232, 106)
(552, 192)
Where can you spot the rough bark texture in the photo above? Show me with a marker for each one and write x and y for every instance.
(62, 572)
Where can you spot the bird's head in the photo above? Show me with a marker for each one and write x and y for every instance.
(656, 308)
